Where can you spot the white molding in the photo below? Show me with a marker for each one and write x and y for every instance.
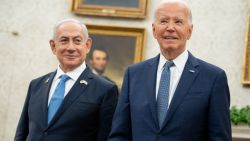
(241, 131)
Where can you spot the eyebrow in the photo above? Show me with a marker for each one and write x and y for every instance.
(70, 37)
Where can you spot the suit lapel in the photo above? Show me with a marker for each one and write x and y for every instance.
(188, 76)
(45, 96)
(151, 73)
(77, 89)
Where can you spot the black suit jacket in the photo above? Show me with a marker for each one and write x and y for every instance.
(85, 114)
(199, 110)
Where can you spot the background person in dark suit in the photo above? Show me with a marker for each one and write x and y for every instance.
(71, 103)
(174, 96)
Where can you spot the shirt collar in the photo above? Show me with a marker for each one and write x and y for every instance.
(74, 74)
(95, 72)
(179, 61)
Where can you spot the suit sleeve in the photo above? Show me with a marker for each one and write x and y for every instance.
(219, 124)
(121, 125)
(22, 130)
(106, 113)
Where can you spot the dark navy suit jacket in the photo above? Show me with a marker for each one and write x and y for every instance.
(199, 110)
(85, 114)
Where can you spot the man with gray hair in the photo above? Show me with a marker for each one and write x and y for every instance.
(173, 96)
(71, 103)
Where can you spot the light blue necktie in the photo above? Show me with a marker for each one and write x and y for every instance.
(163, 92)
(57, 97)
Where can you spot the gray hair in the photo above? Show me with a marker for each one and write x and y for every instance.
(84, 28)
(180, 2)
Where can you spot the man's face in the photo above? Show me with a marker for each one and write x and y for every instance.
(171, 27)
(99, 61)
(70, 46)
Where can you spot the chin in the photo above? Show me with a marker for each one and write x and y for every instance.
(72, 64)
(169, 48)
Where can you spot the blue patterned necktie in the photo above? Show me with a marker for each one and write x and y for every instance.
(163, 92)
(57, 97)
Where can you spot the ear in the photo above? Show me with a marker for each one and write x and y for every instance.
(190, 31)
(52, 46)
(153, 29)
(88, 44)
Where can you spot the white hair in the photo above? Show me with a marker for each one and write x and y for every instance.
(84, 28)
(179, 2)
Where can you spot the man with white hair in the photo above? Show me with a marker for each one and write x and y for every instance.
(173, 96)
(71, 103)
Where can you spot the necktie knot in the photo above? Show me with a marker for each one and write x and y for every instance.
(64, 78)
(168, 64)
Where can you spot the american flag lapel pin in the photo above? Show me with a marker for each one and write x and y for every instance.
(192, 71)
(83, 82)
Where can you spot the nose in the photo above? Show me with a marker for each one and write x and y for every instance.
(71, 46)
(170, 27)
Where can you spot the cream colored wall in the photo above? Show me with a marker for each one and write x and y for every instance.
(218, 37)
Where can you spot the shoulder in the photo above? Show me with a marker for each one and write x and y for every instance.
(208, 71)
(203, 65)
(208, 67)
(43, 79)
(144, 64)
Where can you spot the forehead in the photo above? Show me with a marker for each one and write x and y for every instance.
(99, 53)
(172, 9)
(69, 29)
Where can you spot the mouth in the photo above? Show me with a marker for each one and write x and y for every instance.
(170, 37)
(70, 56)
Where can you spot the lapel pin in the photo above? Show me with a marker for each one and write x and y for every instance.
(192, 71)
(46, 81)
(84, 82)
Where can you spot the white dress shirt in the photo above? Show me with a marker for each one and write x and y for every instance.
(74, 75)
(175, 72)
